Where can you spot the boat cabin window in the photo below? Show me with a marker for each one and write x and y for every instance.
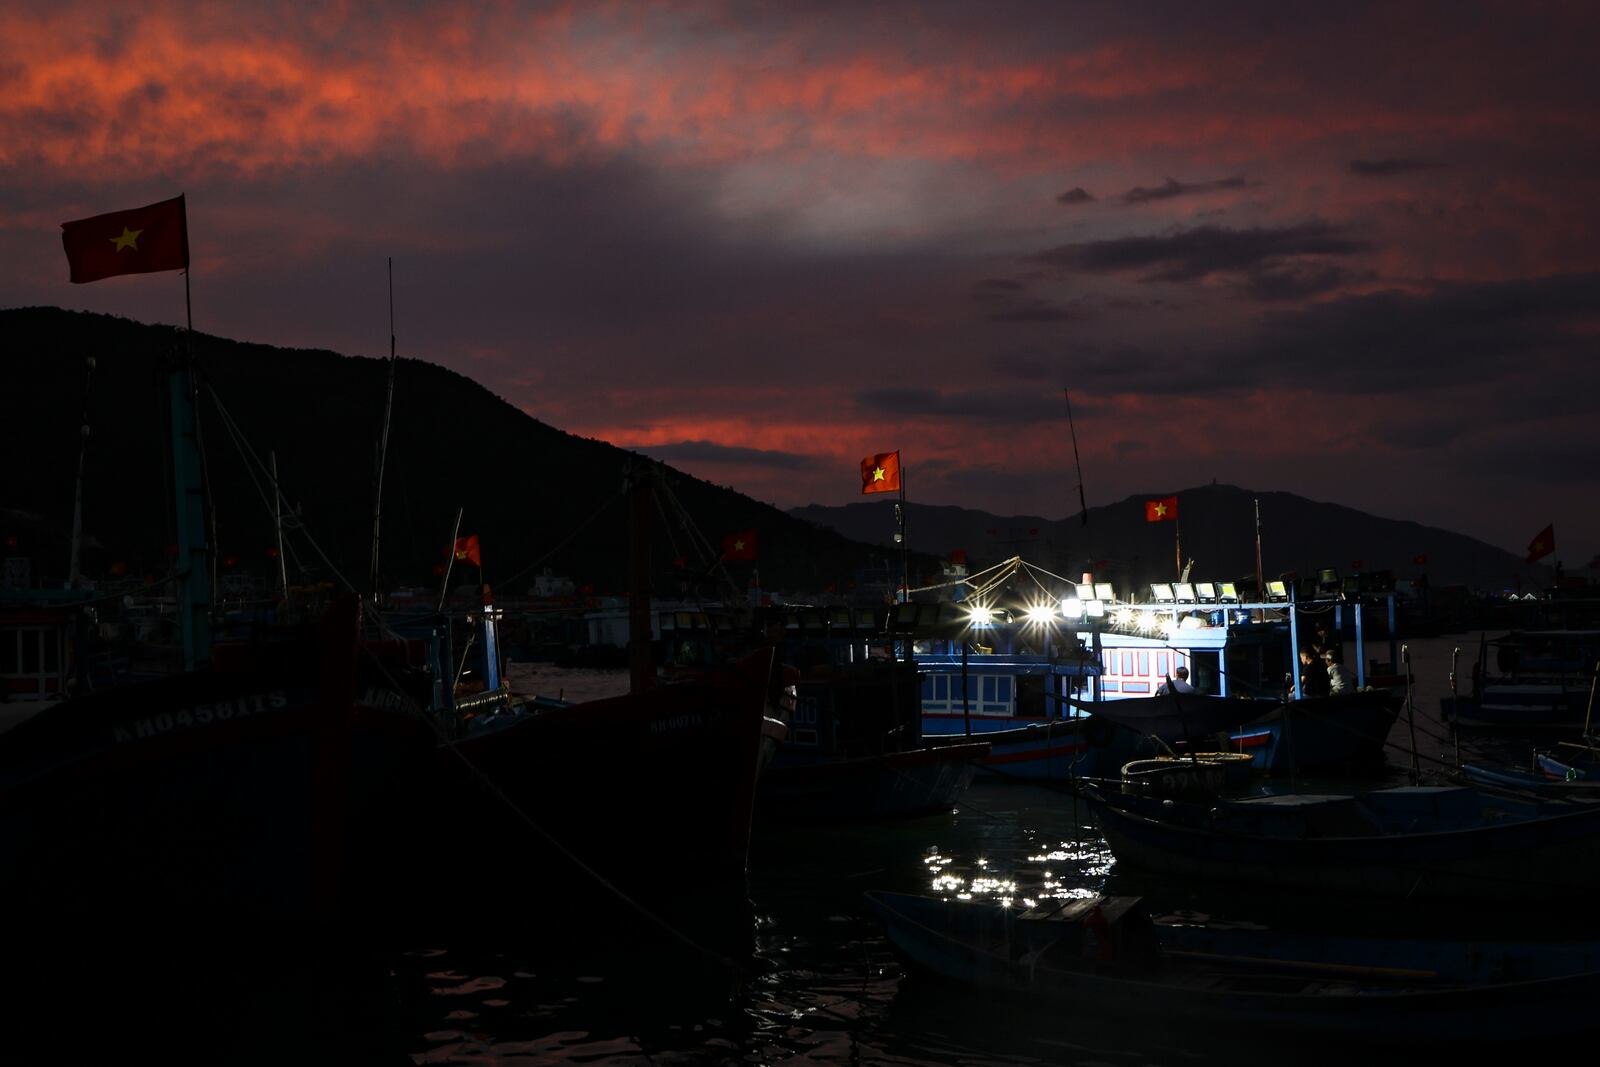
(30, 659)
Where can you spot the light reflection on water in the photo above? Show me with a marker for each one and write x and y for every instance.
(824, 986)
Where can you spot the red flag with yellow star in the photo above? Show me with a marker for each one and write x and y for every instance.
(1163, 510)
(1543, 543)
(740, 545)
(467, 551)
(881, 473)
(137, 241)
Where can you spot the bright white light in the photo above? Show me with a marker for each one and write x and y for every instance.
(980, 616)
(1123, 616)
(1103, 591)
(1169, 626)
(1147, 621)
(1095, 608)
(1072, 608)
(1041, 613)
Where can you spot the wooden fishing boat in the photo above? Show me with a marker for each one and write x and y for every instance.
(271, 785)
(855, 750)
(1294, 735)
(1540, 680)
(1205, 774)
(628, 788)
(1055, 750)
(1411, 842)
(1089, 958)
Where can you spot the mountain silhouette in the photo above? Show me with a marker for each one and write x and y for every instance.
(535, 496)
(1217, 528)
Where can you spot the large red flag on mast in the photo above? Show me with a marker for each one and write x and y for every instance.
(467, 551)
(137, 241)
(1163, 510)
(1543, 543)
(881, 473)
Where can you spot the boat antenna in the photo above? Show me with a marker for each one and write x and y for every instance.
(383, 444)
(1083, 506)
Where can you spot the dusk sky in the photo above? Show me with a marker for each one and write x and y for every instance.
(1343, 250)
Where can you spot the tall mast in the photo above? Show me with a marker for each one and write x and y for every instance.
(189, 493)
(277, 526)
(1083, 505)
(383, 444)
(73, 572)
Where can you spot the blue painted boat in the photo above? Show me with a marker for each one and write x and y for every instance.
(1103, 957)
(1283, 736)
(1569, 763)
(1540, 680)
(1415, 841)
(855, 750)
(1318, 733)
(1056, 750)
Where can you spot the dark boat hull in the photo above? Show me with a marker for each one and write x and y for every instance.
(1411, 992)
(265, 793)
(1337, 850)
(636, 791)
(893, 785)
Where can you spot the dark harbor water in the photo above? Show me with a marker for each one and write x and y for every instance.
(823, 985)
(809, 976)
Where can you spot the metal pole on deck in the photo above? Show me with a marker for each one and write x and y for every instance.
(641, 662)
(966, 704)
(1588, 716)
(277, 526)
(1455, 734)
(1411, 714)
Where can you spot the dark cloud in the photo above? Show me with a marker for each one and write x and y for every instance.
(997, 407)
(1030, 365)
(1534, 458)
(1383, 168)
(711, 452)
(1205, 250)
(1298, 279)
(1075, 195)
(1378, 343)
(1170, 188)
(994, 288)
(1037, 310)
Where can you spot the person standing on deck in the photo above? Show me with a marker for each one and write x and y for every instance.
(1313, 674)
(1338, 680)
(1180, 683)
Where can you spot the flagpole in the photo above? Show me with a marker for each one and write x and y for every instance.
(383, 446)
(1261, 592)
(1177, 544)
(905, 552)
(73, 574)
(450, 560)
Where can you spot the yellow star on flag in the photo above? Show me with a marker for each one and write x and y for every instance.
(738, 545)
(1161, 509)
(878, 474)
(129, 239)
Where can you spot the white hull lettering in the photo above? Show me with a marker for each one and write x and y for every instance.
(201, 715)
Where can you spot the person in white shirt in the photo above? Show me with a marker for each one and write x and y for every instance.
(1338, 680)
(1180, 683)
